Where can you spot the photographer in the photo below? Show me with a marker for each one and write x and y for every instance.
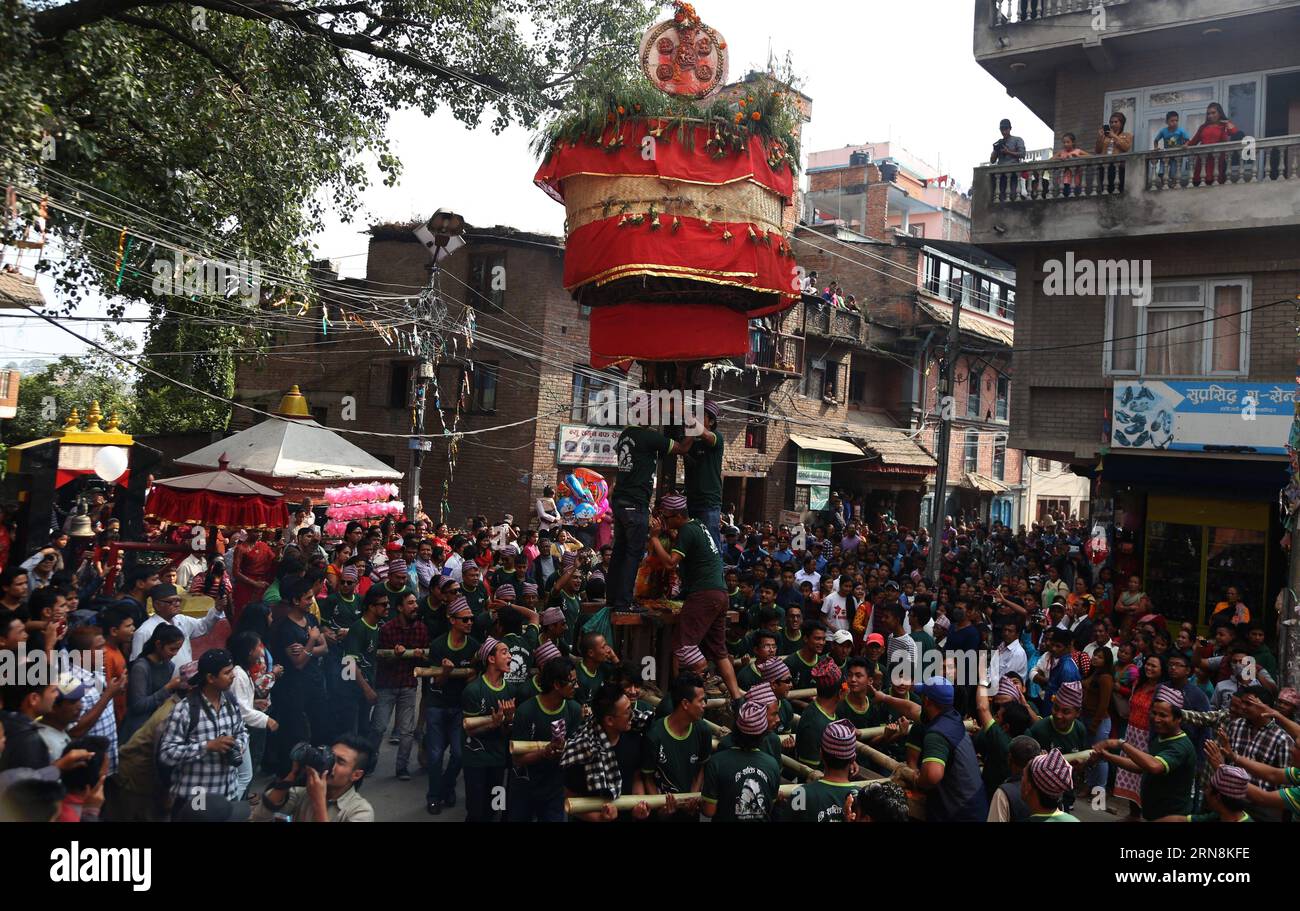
(205, 737)
(1007, 150)
(309, 794)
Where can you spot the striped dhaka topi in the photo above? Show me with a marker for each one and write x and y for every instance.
(1051, 773)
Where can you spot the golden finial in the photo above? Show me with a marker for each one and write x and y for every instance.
(113, 421)
(92, 418)
(73, 424)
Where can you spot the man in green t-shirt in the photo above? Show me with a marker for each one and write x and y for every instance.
(993, 739)
(856, 705)
(1047, 778)
(536, 790)
(703, 618)
(820, 713)
(675, 747)
(1226, 796)
(455, 649)
(488, 704)
(359, 660)
(741, 784)
(639, 449)
(823, 800)
(1169, 770)
(703, 462)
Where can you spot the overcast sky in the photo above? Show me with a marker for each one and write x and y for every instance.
(902, 72)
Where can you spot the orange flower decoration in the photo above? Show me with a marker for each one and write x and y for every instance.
(756, 116)
(739, 117)
(742, 102)
(621, 110)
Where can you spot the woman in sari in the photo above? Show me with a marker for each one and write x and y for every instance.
(1127, 606)
(1138, 734)
(254, 563)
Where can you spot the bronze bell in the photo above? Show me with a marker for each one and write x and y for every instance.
(81, 527)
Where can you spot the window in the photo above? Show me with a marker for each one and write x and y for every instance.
(1189, 328)
(451, 379)
(857, 386)
(399, 384)
(974, 381)
(830, 391)
(916, 230)
(1048, 508)
(1004, 394)
(1044, 464)
(589, 392)
(814, 378)
(756, 424)
(483, 388)
(487, 280)
(1008, 307)
(971, 455)
(999, 461)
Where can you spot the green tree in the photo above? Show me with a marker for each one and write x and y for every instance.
(46, 398)
(235, 125)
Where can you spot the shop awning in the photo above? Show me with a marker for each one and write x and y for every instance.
(896, 449)
(825, 444)
(983, 484)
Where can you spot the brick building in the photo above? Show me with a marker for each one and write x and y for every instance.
(1176, 400)
(526, 367)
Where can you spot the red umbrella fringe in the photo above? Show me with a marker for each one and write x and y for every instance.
(203, 507)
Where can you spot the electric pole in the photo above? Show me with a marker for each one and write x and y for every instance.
(441, 236)
(944, 389)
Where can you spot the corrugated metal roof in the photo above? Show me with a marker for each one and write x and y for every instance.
(894, 446)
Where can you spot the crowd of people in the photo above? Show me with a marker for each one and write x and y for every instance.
(818, 673)
(1113, 138)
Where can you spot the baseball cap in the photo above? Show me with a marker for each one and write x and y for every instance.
(840, 636)
(876, 639)
(937, 690)
(70, 689)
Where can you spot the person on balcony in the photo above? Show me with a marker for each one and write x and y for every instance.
(1216, 128)
(1007, 150)
(1071, 178)
(1172, 136)
(1112, 140)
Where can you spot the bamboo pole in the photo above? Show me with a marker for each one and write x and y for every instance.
(869, 733)
(455, 672)
(477, 723)
(718, 702)
(406, 655)
(576, 805)
(521, 747)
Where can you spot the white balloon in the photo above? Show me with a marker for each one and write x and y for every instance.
(110, 463)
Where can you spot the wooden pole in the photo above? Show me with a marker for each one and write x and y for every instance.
(522, 747)
(406, 655)
(477, 723)
(719, 702)
(576, 805)
(455, 672)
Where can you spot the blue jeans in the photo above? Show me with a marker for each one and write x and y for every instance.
(1098, 774)
(631, 529)
(441, 731)
(522, 806)
(711, 518)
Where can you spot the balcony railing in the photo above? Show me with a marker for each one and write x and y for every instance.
(1264, 160)
(776, 352)
(1005, 12)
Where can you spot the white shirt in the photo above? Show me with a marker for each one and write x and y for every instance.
(190, 567)
(547, 515)
(188, 626)
(1092, 647)
(835, 607)
(452, 568)
(814, 577)
(242, 690)
(1008, 659)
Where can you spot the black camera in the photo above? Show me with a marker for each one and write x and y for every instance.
(309, 756)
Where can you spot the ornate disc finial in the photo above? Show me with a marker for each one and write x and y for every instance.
(92, 418)
(73, 423)
(683, 56)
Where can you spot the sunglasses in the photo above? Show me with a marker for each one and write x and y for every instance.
(463, 619)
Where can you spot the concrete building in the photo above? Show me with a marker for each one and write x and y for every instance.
(1176, 396)
(910, 195)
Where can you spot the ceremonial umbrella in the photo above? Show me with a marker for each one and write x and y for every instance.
(219, 497)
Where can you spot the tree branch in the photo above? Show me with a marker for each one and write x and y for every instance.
(181, 37)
